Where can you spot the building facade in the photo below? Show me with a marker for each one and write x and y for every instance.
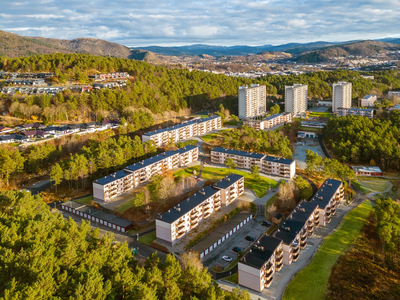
(368, 100)
(296, 99)
(174, 224)
(341, 95)
(245, 160)
(162, 137)
(367, 171)
(116, 184)
(363, 112)
(252, 101)
(269, 121)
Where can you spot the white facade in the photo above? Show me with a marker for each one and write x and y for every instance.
(368, 100)
(341, 95)
(252, 101)
(296, 99)
(342, 112)
(269, 122)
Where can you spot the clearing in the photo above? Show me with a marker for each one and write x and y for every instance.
(313, 279)
(375, 184)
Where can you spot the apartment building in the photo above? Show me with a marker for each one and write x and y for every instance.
(245, 160)
(368, 100)
(172, 225)
(113, 75)
(257, 267)
(363, 112)
(268, 122)
(296, 99)
(252, 101)
(108, 187)
(367, 171)
(176, 133)
(393, 94)
(341, 95)
(231, 187)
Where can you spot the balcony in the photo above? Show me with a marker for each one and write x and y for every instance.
(179, 235)
(267, 283)
(206, 215)
(194, 220)
(304, 237)
(295, 250)
(279, 253)
(303, 244)
(181, 229)
(217, 206)
(279, 260)
(316, 212)
(295, 257)
(279, 266)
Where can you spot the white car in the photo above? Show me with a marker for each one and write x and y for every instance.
(227, 258)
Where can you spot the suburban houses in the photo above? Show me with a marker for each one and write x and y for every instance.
(252, 101)
(198, 126)
(268, 122)
(172, 225)
(364, 112)
(245, 160)
(118, 183)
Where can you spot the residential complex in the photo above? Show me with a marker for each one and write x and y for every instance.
(269, 253)
(172, 225)
(245, 160)
(341, 95)
(393, 94)
(252, 101)
(363, 112)
(176, 133)
(367, 171)
(296, 99)
(105, 76)
(269, 121)
(108, 187)
(368, 101)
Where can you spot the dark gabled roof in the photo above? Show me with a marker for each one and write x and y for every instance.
(73, 204)
(257, 258)
(112, 177)
(21, 137)
(227, 181)
(278, 216)
(41, 133)
(187, 205)
(104, 216)
(279, 160)
(186, 149)
(30, 133)
(326, 192)
(238, 152)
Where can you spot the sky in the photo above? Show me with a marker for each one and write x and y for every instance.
(215, 22)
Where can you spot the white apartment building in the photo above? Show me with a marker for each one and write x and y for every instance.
(174, 224)
(341, 95)
(393, 94)
(257, 267)
(245, 160)
(368, 100)
(268, 122)
(108, 187)
(296, 99)
(363, 112)
(252, 101)
(183, 131)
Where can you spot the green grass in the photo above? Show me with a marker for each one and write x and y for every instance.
(259, 187)
(202, 116)
(85, 200)
(378, 185)
(148, 238)
(234, 278)
(125, 206)
(360, 186)
(209, 137)
(313, 279)
(190, 142)
(320, 114)
(304, 128)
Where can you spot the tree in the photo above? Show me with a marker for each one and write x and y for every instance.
(230, 164)
(167, 185)
(314, 162)
(11, 161)
(139, 199)
(56, 174)
(275, 109)
(255, 172)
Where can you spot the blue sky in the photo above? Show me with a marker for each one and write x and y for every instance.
(216, 22)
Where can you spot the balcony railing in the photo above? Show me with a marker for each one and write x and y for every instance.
(295, 256)
(179, 235)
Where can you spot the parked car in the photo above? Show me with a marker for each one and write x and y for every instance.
(265, 223)
(250, 238)
(227, 258)
(236, 249)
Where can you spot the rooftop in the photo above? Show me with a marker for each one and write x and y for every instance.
(257, 257)
(238, 152)
(368, 96)
(280, 160)
(366, 169)
(112, 177)
(357, 109)
(227, 181)
(326, 192)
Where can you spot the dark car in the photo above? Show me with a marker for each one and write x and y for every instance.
(250, 238)
(236, 249)
(265, 223)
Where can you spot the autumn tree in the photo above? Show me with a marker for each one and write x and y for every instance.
(230, 164)
(56, 175)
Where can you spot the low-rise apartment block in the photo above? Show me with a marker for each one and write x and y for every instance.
(393, 94)
(367, 171)
(257, 267)
(368, 101)
(363, 112)
(162, 137)
(113, 75)
(174, 224)
(245, 160)
(108, 187)
(269, 121)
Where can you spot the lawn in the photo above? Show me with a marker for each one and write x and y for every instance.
(360, 186)
(376, 185)
(210, 137)
(189, 142)
(259, 187)
(148, 238)
(304, 128)
(234, 278)
(313, 279)
(320, 114)
(125, 206)
(85, 200)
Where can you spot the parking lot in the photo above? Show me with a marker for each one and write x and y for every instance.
(299, 154)
(253, 228)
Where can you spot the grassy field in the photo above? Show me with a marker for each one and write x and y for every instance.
(190, 142)
(378, 186)
(211, 137)
(259, 187)
(320, 114)
(304, 128)
(234, 278)
(85, 200)
(148, 238)
(312, 280)
(360, 186)
(125, 206)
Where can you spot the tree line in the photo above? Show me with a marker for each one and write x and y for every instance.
(45, 256)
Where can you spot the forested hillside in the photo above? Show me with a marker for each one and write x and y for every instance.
(43, 256)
